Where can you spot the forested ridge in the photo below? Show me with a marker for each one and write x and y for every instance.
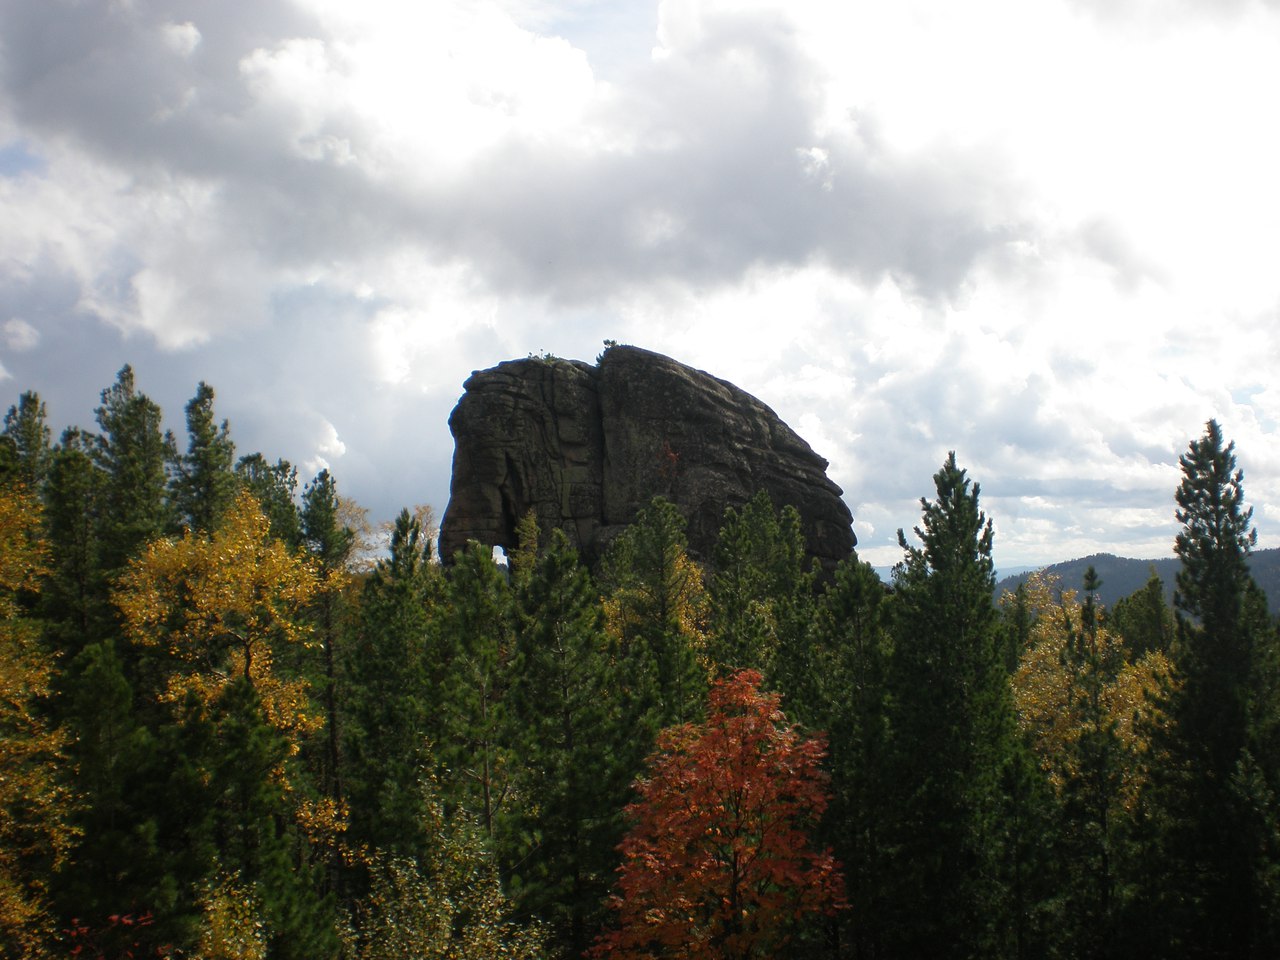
(226, 732)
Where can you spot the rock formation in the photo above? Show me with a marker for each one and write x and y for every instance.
(585, 447)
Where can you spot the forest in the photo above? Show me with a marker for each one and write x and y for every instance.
(231, 728)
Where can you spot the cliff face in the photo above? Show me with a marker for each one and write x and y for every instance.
(585, 447)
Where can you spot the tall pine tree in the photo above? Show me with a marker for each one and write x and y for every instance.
(954, 738)
(390, 700)
(1206, 891)
(204, 485)
(573, 780)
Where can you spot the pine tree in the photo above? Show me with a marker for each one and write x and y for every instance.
(390, 701)
(1092, 797)
(573, 783)
(953, 735)
(275, 487)
(1144, 619)
(853, 647)
(475, 640)
(133, 454)
(762, 600)
(1207, 893)
(656, 609)
(330, 542)
(257, 841)
(74, 602)
(26, 428)
(204, 482)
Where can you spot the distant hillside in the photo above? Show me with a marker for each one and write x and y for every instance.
(1121, 576)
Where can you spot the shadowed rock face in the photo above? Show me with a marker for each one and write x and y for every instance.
(586, 447)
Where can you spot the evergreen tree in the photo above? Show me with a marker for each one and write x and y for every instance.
(390, 701)
(331, 543)
(144, 807)
(256, 840)
(1144, 619)
(1207, 894)
(762, 600)
(74, 601)
(573, 784)
(476, 644)
(853, 645)
(656, 610)
(275, 487)
(953, 732)
(27, 431)
(133, 453)
(204, 485)
(1091, 798)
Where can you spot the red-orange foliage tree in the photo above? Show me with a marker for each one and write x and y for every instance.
(718, 862)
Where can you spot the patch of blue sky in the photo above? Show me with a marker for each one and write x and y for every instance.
(17, 158)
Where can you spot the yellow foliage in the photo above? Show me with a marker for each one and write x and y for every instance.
(679, 599)
(1048, 697)
(448, 906)
(221, 603)
(33, 804)
(232, 927)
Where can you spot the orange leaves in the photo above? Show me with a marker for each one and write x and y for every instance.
(718, 862)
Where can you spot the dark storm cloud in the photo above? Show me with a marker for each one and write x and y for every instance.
(104, 74)
(725, 172)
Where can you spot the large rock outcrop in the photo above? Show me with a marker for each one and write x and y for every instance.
(585, 447)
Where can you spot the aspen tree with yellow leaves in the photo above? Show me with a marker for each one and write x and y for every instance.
(219, 609)
(34, 832)
(1087, 708)
(1048, 687)
(221, 605)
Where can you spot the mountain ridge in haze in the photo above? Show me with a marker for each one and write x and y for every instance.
(1121, 576)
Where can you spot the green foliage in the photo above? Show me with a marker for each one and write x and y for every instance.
(133, 454)
(762, 596)
(571, 737)
(953, 735)
(331, 544)
(1144, 619)
(390, 699)
(27, 433)
(446, 905)
(256, 838)
(216, 744)
(204, 484)
(476, 643)
(1206, 838)
(74, 601)
(143, 811)
(655, 609)
(853, 646)
(274, 486)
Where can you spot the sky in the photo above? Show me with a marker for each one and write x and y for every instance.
(1040, 233)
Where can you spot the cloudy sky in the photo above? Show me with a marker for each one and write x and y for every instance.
(1042, 233)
